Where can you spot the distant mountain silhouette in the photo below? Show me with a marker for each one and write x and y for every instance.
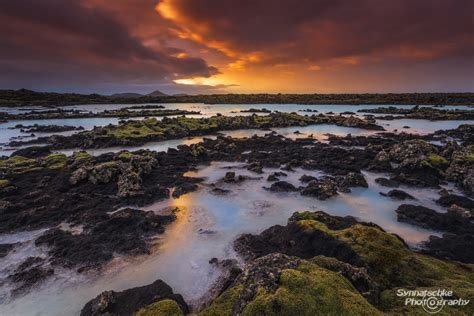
(157, 93)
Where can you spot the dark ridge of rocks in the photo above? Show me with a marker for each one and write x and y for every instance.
(252, 110)
(36, 128)
(133, 133)
(293, 240)
(455, 244)
(126, 303)
(428, 218)
(453, 199)
(59, 113)
(33, 151)
(424, 113)
(465, 133)
(451, 246)
(122, 232)
(387, 182)
(398, 195)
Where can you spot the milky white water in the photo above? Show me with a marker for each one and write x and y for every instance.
(205, 228)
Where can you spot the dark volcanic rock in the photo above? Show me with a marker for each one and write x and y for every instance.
(32, 151)
(124, 232)
(428, 218)
(320, 189)
(450, 199)
(127, 302)
(305, 178)
(350, 180)
(451, 246)
(282, 186)
(293, 240)
(28, 274)
(398, 195)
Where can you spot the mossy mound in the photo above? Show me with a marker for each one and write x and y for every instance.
(162, 308)
(304, 289)
(390, 265)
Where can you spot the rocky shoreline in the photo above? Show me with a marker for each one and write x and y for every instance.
(313, 251)
(70, 114)
(133, 133)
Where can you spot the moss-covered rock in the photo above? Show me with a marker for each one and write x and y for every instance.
(162, 308)
(280, 285)
(386, 259)
(55, 161)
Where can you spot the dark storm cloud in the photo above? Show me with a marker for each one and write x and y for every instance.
(284, 30)
(66, 41)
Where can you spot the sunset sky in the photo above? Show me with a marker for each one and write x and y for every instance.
(241, 46)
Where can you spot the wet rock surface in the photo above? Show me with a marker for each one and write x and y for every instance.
(398, 195)
(128, 302)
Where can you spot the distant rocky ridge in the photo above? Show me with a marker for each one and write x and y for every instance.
(24, 97)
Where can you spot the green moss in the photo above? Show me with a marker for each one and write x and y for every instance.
(56, 161)
(18, 164)
(436, 161)
(162, 308)
(81, 155)
(4, 183)
(393, 265)
(224, 303)
(126, 155)
(106, 165)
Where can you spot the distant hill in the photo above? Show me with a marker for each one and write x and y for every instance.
(156, 93)
(180, 95)
(126, 95)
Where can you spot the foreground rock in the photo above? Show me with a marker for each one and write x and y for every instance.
(125, 232)
(128, 302)
(275, 283)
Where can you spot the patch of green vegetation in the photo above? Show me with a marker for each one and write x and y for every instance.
(4, 183)
(136, 129)
(436, 161)
(393, 265)
(18, 164)
(56, 161)
(81, 155)
(165, 307)
(106, 165)
(311, 290)
(223, 305)
(307, 290)
(126, 155)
